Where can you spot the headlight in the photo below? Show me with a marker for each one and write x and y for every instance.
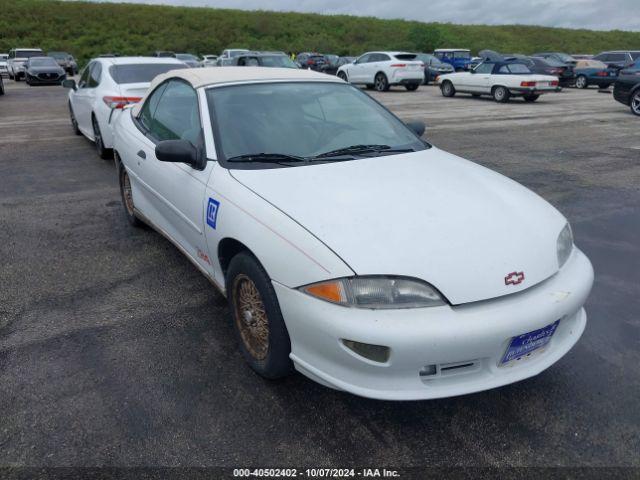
(376, 292)
(564, 245)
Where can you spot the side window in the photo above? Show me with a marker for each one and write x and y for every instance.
(381, 57)
(94, 75)
(149, 107)
(365, 58)
(177, 115)
(486, 68)
(84, 76)
(504, 69)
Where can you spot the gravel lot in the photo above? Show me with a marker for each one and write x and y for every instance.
(115, 350)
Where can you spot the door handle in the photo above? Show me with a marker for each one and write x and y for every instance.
(142, 155)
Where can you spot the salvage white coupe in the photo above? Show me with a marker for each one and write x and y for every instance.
(501, 80)
(349, 248)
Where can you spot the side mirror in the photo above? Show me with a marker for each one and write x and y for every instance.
(180, 151)
(70, 83)
(417, 127)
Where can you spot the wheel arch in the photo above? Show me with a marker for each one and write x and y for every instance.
(228, 248)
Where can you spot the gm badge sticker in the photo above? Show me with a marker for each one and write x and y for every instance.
(212, 212)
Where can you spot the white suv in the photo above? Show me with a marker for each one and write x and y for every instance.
(381, 70)
(17, 58)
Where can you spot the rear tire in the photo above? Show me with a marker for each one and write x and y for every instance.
(447, 89)
(104, 153)
(126, 195)
(582, 82)
(257, 319)
(381, 84)
(531, 98)
(412, 87)
(501, 94)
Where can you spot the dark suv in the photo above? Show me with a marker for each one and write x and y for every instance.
(312, 61)
(626, 90)
(618, 58)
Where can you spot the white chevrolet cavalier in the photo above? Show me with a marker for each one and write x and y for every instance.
(349, 248)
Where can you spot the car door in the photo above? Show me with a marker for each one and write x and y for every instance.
(357, 71)
(378, 62)
(85, 96)
(175, 192)
(480, 80)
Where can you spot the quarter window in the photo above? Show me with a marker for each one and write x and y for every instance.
(84, 76)
(149, 107)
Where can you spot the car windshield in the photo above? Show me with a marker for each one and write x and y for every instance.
(281, 61)
(28, 53)
(43, 62)
(332, 59)
(186, 56)
(303, 120)
(140, 73)
(59, 55)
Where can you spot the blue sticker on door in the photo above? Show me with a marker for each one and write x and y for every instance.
(212, 212)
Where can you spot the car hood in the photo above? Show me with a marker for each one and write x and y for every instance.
(428, 215)
(49, 69)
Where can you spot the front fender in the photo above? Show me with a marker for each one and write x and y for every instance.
(290, 254)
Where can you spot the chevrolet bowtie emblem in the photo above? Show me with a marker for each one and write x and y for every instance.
(514, 278)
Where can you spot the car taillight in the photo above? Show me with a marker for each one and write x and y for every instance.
(309, 62)
(120, 102)
(602, 74)
(527, 84)
(554, 83)
(399, 65)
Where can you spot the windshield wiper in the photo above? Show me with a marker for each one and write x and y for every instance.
(266, 158)
(358, 149)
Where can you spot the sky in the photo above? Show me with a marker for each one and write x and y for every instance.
(591, 14)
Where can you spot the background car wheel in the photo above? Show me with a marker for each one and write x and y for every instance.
(342, 76)
(635, 103)
(381, 84)
(257, 320)
(581, 82)
(531, 98)
(126, 195)
(447, 88)
(103, 152)
(501, 94)
(1, 87)
(412, 87)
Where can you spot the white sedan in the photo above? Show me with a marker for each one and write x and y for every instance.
(382, 70)
(349, 248)
(106, 85)
(501, 80)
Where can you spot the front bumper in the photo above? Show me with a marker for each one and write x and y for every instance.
(35, 79)
(475, 335)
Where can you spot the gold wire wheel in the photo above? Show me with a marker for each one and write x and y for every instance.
(126, 189)
(251, 317)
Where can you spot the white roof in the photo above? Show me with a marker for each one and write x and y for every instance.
(452, 50)
(202, 77)
(138, 60)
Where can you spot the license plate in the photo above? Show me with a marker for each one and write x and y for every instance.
(527, 343)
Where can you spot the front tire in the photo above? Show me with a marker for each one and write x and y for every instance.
(501, 94)
(634, 104)
(257, 319)
(447, 89)
(343, 76)
(381, 84)
(582, 82)
(103, 152)
(74, 122)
